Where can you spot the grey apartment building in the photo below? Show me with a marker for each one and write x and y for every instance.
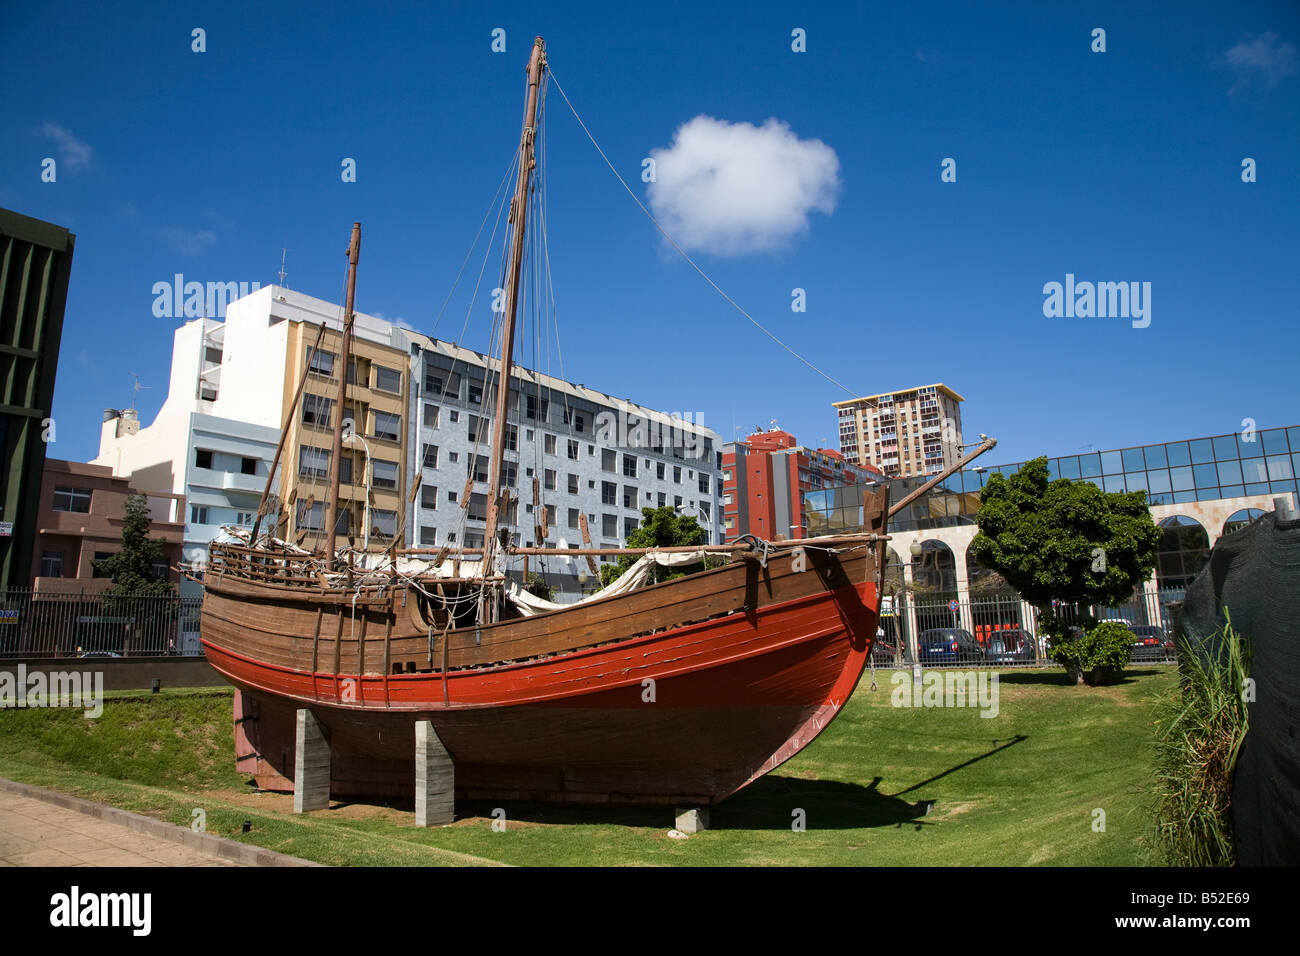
(570, 451)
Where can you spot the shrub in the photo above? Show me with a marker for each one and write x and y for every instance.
(1200, 727)
(1099, 653)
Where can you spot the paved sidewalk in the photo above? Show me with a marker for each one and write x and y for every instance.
(46, 828)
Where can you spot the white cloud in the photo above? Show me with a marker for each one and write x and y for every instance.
(1265, 57)
(189, 241)
(73, 153)
(736, 188)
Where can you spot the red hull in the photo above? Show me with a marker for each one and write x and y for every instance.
(733, 698)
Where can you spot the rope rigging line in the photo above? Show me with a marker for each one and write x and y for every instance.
(682, 252)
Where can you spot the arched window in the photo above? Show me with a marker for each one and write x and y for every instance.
(893, 572)
(1183, 550)
(935, 571)
(1240, 519)
(982, 581)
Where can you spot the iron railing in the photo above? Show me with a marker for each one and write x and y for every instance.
(43, 624)
(1002, 630)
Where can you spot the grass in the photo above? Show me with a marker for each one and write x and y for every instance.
(883, 786)
(1201, 726)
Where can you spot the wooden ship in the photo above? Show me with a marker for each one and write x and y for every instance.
(680, 692)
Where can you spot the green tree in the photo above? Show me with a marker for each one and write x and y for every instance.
(660, 528)
(132, 568)
(1063, 539)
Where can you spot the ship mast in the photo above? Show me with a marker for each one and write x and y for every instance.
(345, 353)
(519, 218)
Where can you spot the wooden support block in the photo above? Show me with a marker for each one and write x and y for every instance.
(435, 778)
(692, 819)
(311, 765)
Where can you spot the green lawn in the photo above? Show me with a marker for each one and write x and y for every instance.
(1018, 789)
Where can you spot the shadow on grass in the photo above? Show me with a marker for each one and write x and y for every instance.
(1059, 678)
(769, 803)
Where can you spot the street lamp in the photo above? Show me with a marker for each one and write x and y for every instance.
(349, 434)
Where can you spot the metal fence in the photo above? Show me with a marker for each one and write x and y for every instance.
(41, 624)
(1002, 630)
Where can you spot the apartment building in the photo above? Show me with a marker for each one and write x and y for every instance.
(571, 452)
(79, 519)
(916, 431)
(218, 464)
(765, 480)
(419, 407)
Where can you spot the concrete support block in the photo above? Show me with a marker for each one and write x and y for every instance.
(692, 819)
(311, 766)
(435, 778)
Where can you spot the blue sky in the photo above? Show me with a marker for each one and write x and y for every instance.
(1115, 166)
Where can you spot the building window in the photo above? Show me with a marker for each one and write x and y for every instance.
(244, 519)
(660, 470)
(313, 462)
(663, 499)
(388, 380)
(345, 469)
(549, 443)
(477, 466)
(629, 466)
(72, 499)
(629, 525)
(573, 450)
(430, 456)
(388, 426)
(248, 466)
(573, 484)
(629, 496)
(550, 480)
(383, 474)
(316, 410)
(428, 535)
(573, 517)
(677, 474)
(608, 493)
(608, 459)
(198, 514)
(202, 458)
(51, 564)
(609, 526)
(322, 363)
(477, 507)
(475, 393)
(383, 523)
(430, 415)
(429, 497)
(704, 483)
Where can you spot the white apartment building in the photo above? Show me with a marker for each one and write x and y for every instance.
(915, 431)
(590, 452)
(220, 464)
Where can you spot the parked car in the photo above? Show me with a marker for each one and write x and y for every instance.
(1150, 643)
(948, 645)
(1009, 646)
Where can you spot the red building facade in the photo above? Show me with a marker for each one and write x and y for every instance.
(765, 477)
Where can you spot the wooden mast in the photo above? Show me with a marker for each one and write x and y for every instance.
(345, 352)
(519, 218)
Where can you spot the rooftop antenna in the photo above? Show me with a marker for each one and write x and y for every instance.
(282, 255)
(135, 389)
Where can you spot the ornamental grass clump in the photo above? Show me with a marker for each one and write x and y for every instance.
(1200, 728)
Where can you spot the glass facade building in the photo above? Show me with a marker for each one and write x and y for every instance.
(1199, 469)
